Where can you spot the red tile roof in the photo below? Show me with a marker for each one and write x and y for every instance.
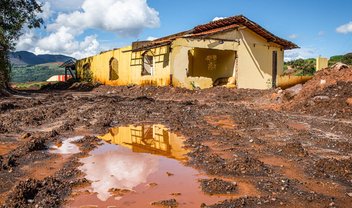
(214, 27)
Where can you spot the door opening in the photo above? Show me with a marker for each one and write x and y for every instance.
(274, 69)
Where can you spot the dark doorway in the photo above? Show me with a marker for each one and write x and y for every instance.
(148, 65)
(274, 69)
(211, 63)
(114, 69)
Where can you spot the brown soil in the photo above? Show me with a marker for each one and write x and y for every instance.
(170, 203)
(218, 186)
(326, 94)
(299, 156)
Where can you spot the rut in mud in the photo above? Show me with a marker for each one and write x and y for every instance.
(274, 157)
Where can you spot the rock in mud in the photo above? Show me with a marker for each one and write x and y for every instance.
(217, 186)
(349, 101)
(171, 203)
(321, 98)
(339, 66)
(291, 92)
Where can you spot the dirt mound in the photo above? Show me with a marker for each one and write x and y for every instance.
(70, 85)
(247, 202)
(175, 93)
(216, 165)
(333, 168)
(34, 193)
(327, 94)
(11, 160)
(217, 186)
(88, 143)
(293, 149)
(170, 203)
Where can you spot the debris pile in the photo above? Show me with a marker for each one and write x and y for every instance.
(218, 186)
(327, 94)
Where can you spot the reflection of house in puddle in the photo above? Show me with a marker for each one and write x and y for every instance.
(141, 162)
(155, 139)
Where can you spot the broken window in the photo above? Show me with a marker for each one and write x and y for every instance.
(87, 74)
(148, 65)
(211, 60)
(114, 67)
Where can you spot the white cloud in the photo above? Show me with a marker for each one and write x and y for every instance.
(64, 42)
(218, 18)
(298, 53)
(46, 11)
(26, 41)
(126, 18)
(346, 28)
(66, 5)
(293, 36)
(121, 169)
(150, 38)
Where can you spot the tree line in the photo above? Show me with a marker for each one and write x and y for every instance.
(14, 16)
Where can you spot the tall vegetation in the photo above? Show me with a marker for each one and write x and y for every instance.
(14, 15)
(36, 73)
(302, 66)
(346, 59)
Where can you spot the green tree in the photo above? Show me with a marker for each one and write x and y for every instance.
(303, 66)
(346, 59)
(14, 15)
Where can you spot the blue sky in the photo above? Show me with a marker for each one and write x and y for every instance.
(85, 27)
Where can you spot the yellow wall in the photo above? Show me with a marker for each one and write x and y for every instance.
(321, 63)
(130, 67)
(288, 81)
(99, 66)
(161, 70)
(255, 61)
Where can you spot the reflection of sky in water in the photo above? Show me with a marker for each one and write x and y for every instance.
(67, 147)
(112, 166)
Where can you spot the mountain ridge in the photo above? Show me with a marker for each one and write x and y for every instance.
(21, 58)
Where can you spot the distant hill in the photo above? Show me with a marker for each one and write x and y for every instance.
(21, 58)
(346, 59)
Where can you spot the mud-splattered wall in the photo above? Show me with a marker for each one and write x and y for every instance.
(130, 65)
(240, 55)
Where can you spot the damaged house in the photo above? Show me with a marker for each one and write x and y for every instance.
(234, 51)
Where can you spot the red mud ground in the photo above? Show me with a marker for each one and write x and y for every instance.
(296, 153)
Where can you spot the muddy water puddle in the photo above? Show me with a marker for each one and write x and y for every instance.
(138, 165)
